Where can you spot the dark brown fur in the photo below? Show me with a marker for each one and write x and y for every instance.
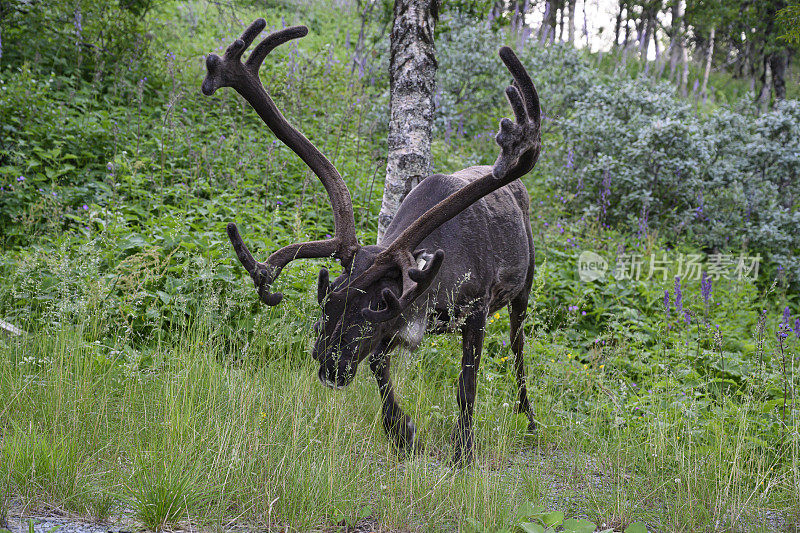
(393, 292)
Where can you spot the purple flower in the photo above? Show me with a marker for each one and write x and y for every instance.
(85, 207)
(785, 327)
(21, 179)
(705, 287)
(279, 202)
(687, 317)
(605, 192)
(678, 295)
(666, 301)
(643, 230)
(570, 158)
(797, 327)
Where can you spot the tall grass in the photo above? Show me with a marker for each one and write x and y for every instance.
(209, 437)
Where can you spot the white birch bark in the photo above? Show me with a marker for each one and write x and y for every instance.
(412, 74)
(709, 56)
(676, 39)
(571, 21)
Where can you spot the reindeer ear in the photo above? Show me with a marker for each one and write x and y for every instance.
(323, 285)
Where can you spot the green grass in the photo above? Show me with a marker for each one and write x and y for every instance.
(198, 438)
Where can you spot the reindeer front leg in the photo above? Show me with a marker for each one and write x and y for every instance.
(472, 333)
(398, 426)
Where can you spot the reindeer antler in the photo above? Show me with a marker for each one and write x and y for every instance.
(520, 144)
(229, 71)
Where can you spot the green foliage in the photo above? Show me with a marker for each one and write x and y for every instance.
(163, 490)
(636, 155)
(88, 39)
(789, 18)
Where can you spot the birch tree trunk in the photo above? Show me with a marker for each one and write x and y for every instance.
(684, 70)
(412, 80)
(571, 21)
(709, 56)
(676, 39)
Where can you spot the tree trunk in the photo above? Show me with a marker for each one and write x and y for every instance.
(685, 69)
(545, 29)
(676, 39)
(777, 63)
(764, 85)
(709, 56)
(571, 21)
(412, 80)
(518, 25)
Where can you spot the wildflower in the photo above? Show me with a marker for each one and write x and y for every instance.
(666, 301)
(505, 405)
(85, 207)
(602, 367)
(797, 327)
(785, 328)
(678, 295)
(706, 287)
(687, 317)
(570, 158)
(21, 179)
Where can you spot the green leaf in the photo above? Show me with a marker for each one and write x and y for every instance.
(573, 525)
(636, 527)
(553, 518)
(530, 527)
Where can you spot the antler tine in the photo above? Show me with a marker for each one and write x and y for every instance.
(228, 71)
(272, 41)
(523, 83)
(415, 282)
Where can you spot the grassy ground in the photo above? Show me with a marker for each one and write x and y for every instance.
(196, 438)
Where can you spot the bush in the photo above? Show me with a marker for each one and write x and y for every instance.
(637, 156)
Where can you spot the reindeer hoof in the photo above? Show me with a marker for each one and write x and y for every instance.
(403, 434)
(463, 455)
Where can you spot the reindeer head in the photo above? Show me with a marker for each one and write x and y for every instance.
(362, 305)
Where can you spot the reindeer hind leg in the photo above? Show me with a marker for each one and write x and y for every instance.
(518, 311)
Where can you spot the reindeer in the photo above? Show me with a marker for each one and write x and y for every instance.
(468, 231)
